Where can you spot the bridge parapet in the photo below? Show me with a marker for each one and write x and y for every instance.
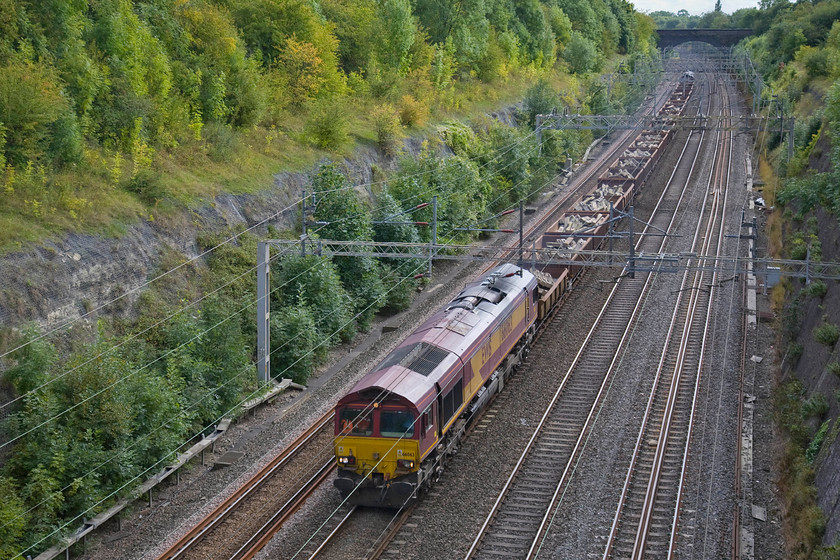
(715, 37)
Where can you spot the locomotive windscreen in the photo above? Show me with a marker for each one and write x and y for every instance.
(396, 423)
(356, 421)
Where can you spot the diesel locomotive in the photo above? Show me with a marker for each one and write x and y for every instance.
(399, 423)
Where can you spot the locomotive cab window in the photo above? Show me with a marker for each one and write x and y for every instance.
(428, 423)
(356, 422)
(396, 423)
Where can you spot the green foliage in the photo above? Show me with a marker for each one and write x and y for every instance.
(32, 361)
(338, 204)
(328, 124)
(347, 219)
(817, 289)
(355, 29)
(534, 33)
(560, 25)
(2, 146)
(389, 130)
(222, 142)
(294, 343)
(581, 54)
(30, 102)
(827, 334)
(303, 69)
(413, 112)
(13, 518)
(396, 34)
(816, 443)
(834, 367)
(314, 283)
(541, 98)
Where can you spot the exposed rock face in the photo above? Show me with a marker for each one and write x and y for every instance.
(811, 369)
(64, 279)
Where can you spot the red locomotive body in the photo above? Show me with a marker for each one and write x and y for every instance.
(399, 423)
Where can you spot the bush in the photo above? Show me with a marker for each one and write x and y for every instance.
(30, 102)
(412, 111)
(294, 339)
(328, 124)
(826, 334)
(816, 443)
(147, 185)
(540, 99)
(834, 367)
(389, 131)
(222, 141)
(581, 54)
(816, 406)
(817, 289)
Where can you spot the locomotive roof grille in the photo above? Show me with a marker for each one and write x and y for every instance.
(422, 358)
(471, 297)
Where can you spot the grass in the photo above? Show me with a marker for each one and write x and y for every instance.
(87, 199)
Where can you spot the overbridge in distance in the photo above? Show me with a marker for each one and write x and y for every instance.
(715, 37)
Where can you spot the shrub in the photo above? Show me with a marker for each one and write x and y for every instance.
(328, 124)
(816, 443)
(816, 406)
(540, 99)
(817, 289)
(147, 185)
(13, 518)
(294, 338)
(834, 367)
(222, 141)
(412, 111)
(826, 334)
(30, 102)
(388, 129)
(581, 54)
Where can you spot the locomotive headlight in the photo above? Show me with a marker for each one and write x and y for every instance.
(347, 460)
(405, 464)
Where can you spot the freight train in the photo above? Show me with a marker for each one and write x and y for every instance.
(398, 426)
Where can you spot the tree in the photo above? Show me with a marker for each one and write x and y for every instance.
(313, 282)
(347, 219)
(540, 99)
(534, 33)
(13, 519)
(580, 54)
(560, 25)
(397, 33)
(30, 103)
(355, 28)
(294, 338)
(303, 69)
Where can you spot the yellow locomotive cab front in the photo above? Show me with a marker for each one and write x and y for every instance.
(371, 456)
(376, 448)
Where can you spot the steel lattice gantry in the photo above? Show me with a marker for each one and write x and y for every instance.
(532, 257)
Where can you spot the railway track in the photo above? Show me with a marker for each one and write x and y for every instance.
(523, 510)
(647, 517)
(245, 522)
(241, 525)
(355, 532)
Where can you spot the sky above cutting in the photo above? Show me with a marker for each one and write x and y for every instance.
(694, 7)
